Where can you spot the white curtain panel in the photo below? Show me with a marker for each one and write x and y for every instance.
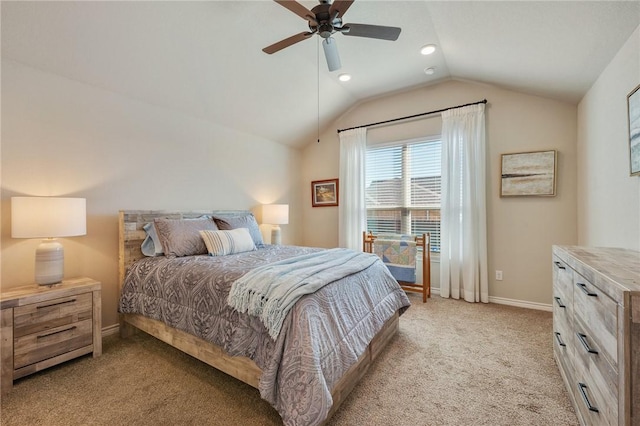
(352, 210)
(463, 257)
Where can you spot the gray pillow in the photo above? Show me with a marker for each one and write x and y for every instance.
(181, 237)
(245, 221)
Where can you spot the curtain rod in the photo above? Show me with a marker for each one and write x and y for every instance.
(484, 101)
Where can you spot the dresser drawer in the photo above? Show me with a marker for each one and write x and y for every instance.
(596, 399)
(598, 314)
(562, 339)
(563, 350)
(562, 334)
(51, 314)
(563, 285)
(36, 347)
(588, 358)
(562, 317)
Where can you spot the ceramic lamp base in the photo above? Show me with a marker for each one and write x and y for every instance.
(49, 262)
(276, 237)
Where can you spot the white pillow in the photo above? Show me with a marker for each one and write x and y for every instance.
(220, 243)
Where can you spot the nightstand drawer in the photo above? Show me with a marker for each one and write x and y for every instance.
(43, 326)
(51, 314)
(48, 343)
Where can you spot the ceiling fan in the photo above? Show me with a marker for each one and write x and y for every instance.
(326, 19)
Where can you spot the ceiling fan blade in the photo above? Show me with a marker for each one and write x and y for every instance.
(371, 31)
(339, 8)
(298, 9)
(275, 47)
(331, 53)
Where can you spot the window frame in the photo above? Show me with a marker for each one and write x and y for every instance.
(405, 211)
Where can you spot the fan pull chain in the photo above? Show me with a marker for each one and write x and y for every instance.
(318, 76)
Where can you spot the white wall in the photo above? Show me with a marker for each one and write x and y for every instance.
(608, 198)
(521, 230)
(64, 138)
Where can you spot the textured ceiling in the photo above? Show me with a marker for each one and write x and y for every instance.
(204, 59)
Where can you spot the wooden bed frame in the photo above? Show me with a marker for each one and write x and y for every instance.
(131, 235)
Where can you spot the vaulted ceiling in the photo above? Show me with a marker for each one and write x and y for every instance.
(204, 59)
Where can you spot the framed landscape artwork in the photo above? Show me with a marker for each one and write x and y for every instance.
(528, 174)
(324, 193)
(633, 106)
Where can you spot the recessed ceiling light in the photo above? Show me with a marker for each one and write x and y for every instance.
(344, 77)
(430, 70)
(428, 49)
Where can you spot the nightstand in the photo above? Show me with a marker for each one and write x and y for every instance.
(44, 325)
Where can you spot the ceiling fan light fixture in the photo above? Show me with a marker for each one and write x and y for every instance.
(344, 77)
(331, 54)
(428, 49)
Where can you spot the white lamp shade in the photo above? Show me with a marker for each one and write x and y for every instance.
(275, 214)
(48, 217)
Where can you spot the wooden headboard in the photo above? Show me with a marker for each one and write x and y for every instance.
(131, 234)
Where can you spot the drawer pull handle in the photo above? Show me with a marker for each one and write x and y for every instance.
(583, 392)
(56, 332)
(560, 342)
(56, 304)
(583, 340)
(583, 287)
(559, 265)
(559, 302)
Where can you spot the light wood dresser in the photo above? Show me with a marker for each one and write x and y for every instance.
(45, 325)
(596, 331)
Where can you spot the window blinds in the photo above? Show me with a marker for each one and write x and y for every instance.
(403, 189)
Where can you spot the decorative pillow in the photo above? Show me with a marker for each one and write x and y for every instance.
(246, 221)
(181, 237)
(221, 243)
(151, 246)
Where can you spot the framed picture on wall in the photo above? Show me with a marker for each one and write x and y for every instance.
(633, 107)
(324, 193)
(528, 174)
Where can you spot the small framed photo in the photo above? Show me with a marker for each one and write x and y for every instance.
(528, 173)
(633, 107)
(324, 193)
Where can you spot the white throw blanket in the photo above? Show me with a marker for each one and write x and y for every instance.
(270, 291)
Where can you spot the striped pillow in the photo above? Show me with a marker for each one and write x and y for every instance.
(221, 243)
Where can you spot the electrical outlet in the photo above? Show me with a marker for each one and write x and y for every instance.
(498, 275)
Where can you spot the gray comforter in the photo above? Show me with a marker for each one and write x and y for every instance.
(321, 337)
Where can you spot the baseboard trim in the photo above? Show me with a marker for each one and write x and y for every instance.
(110, 330)
(511, 302)
(521, 303)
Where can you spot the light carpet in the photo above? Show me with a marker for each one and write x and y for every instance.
(452, 363)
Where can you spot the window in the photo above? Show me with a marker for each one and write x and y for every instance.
(403, 189)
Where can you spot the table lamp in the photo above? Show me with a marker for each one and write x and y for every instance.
(48, 218)
(275, 214)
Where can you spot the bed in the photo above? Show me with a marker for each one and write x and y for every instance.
(308, 369)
